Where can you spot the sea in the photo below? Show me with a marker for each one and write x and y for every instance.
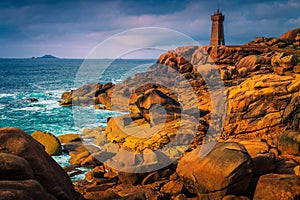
(46, 80)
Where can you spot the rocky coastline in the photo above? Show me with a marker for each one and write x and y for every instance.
(150, 154)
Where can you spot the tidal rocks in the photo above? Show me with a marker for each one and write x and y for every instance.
(49, 141)
(274, 186)
(42, 177)
(264, 42)
(227, 169)
(32, 100)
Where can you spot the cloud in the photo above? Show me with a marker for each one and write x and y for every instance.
(73, 28)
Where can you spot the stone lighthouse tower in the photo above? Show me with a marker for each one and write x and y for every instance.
(217, 29)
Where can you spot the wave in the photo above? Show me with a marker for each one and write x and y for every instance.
(4, 95)
(32, 108)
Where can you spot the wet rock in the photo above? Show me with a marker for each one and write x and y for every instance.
(32, 100)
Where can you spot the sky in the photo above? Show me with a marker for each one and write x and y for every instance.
(72, 29)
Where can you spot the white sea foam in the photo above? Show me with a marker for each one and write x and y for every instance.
(62, 160)
(2, 106)
(7, 95)
(3, 117)
(33, 108)
(49, 104)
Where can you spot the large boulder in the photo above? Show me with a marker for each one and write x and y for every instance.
(49, 141)
(227, 169)
(261, 154)
(277, 186)
(270, 42)
(44, 177)
(157, 108)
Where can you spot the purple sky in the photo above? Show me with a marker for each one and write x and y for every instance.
(71, 29)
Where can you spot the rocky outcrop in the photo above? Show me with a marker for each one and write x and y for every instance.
(49, 141)
(291, 34)
(227, 169)
(92, 94)
(263, 42)
(263, 106)
(274, 186)
(28, 171)
(220, 55)
(176, 95)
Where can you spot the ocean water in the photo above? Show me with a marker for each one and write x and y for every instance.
(46, 80)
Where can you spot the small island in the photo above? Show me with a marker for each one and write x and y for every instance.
(47, 56)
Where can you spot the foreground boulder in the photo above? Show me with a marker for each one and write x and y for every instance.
(227, 169)
(49, 141)
(26, 159)
(278, 186)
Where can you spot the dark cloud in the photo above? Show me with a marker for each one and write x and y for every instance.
(73, 28)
